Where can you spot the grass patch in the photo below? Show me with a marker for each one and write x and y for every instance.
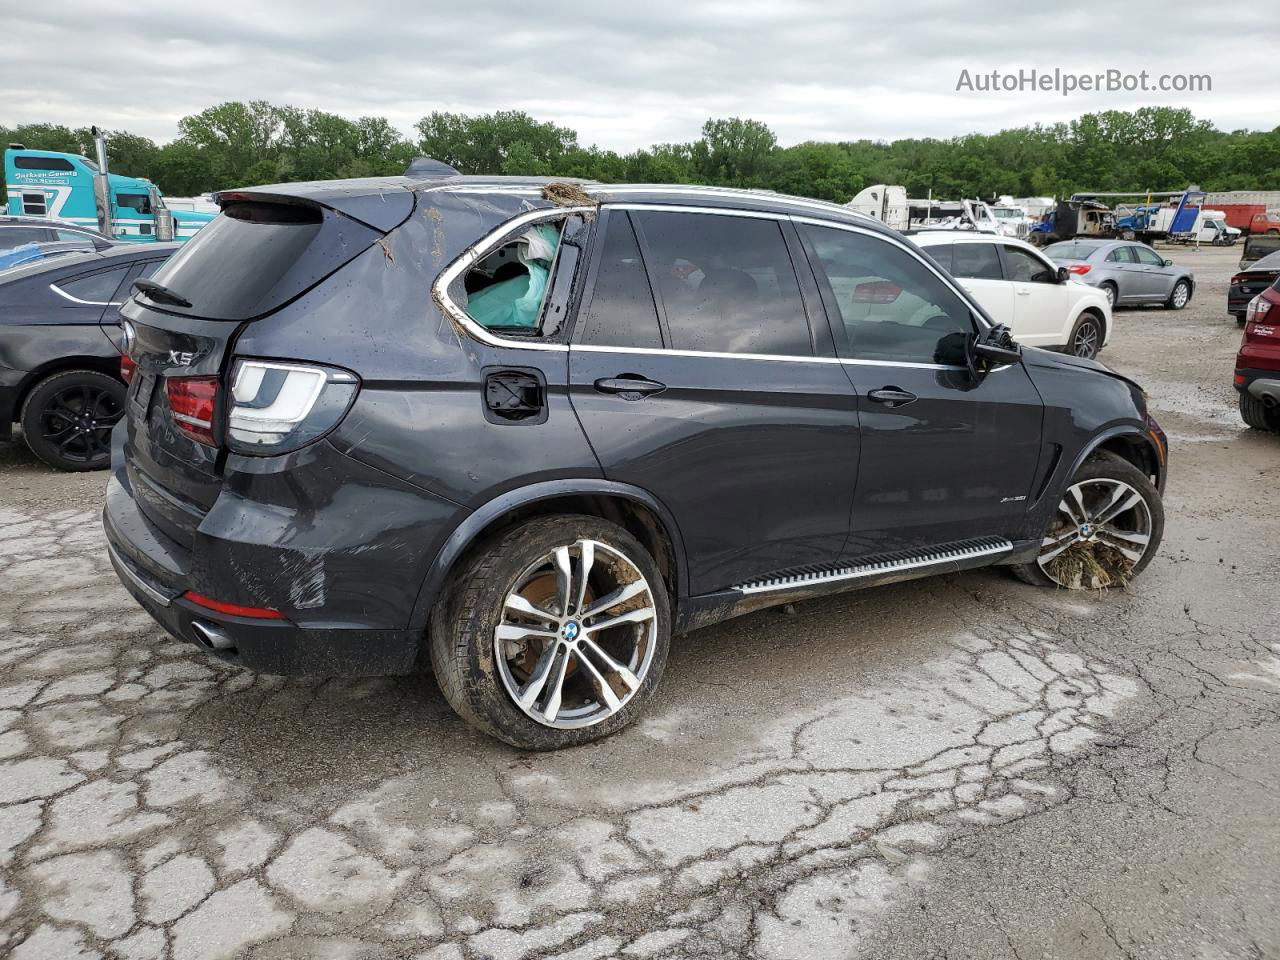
(1091, 566)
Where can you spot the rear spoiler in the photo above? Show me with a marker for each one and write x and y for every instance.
(382, 203)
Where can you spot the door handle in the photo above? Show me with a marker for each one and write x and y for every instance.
(892, 396)
(630, 387)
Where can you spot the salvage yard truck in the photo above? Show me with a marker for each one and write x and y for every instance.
(74, 189)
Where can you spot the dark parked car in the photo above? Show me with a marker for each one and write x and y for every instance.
(1247, 284)
(375, 423)
(60, 350)
(1258, 361)
(1127, 273)
(18, 231)
(1256, 247)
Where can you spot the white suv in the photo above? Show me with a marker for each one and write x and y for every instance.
(1018, 286)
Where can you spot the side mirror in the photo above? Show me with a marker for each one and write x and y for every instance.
(998, 346)
(1168, 262)
(1063, 274)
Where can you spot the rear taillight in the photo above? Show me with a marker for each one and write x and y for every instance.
(192, 401)
(1079, 269)
(1258, 308)
(127, 368)
(1238, 279)
(277, 407)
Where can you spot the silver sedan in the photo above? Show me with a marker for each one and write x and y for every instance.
(1127, 272)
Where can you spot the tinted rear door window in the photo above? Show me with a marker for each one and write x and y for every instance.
(621, 312)
(941, 253)
(726, 283)
(1148, 257)
(980, 261)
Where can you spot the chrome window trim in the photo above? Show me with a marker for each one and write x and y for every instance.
(475, 252)
(84, 303)
(440, 288)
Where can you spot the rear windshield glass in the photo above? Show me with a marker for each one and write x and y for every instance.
(1069, 251)
(1270, 262)
(256, 257)
(1257, 247)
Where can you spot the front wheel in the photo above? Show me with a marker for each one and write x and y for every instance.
(67, 419)
(1180, 296)
(1086, 337)
(1109, 291)
(553, 634)
(1107, 528)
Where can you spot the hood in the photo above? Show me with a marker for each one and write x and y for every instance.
(1037, 357)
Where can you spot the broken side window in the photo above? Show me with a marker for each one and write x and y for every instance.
(506, 288)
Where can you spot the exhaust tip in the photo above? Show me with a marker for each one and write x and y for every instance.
(211, 637)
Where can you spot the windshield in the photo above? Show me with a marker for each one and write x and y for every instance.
(1069, 250)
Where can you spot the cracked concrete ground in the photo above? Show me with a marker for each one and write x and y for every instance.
(957, 767)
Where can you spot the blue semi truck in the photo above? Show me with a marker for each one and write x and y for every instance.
(75, 189)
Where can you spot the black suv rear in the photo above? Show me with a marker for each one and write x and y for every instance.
(531, 430)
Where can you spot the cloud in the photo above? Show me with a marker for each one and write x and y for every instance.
(631, 75)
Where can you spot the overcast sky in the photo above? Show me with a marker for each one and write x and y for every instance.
(640, 73)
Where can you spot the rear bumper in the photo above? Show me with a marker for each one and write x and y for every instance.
(271, 646)
(344, 623)
(1263, 384)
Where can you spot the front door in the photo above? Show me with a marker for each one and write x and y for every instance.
(945, 456)
(1039, 300)
(698, 377)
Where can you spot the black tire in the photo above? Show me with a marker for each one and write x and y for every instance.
(464, 620)
(1107, 466)
(1110, 292)
(1172, 302)
(1086, 336)
(1255, 414)
(1240, 320)
(67, 419)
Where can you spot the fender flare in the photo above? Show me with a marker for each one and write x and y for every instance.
(475, 523)
(1038, 516)
(1132, 430)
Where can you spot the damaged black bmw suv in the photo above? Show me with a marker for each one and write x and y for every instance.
(528, 431)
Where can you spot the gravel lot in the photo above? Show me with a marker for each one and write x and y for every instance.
(957, 767)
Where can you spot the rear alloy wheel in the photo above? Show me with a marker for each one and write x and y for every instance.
(1109, 291)
(1256, 414)
(67, 419)
(1107, 528)
(1181, 295)
(554, 633)
(1086, 338)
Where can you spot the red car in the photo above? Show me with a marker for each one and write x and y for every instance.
(1258, 362)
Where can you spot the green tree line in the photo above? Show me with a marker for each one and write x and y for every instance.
(242, 144)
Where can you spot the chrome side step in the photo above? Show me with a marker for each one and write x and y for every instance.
(875, 566)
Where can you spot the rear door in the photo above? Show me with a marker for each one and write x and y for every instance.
(698, 377)
(1039, 300)
(976, 264)
(946, 456)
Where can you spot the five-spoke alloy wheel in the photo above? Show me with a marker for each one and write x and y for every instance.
(576, 656)
(553, 633)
